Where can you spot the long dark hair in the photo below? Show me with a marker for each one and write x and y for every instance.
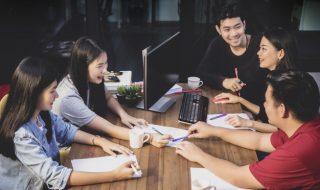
(282, 39)
(29, 80)
(84, 52)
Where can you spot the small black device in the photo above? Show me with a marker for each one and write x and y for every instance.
(194, 108)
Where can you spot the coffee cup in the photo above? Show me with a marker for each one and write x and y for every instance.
(194, 82)
(137, 137)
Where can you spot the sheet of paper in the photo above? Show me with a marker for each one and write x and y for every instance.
(102, 164)
(174, 132)
(204, 179)
(220, 122)
(175, 88)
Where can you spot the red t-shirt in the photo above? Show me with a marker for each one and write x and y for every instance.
(295, 164)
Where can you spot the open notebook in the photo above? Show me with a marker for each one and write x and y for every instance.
(220, 121)
(202, 178)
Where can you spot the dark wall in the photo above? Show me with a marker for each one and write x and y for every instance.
(24, 24)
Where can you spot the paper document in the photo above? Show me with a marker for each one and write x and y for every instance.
(174, 89)
(174, 132)
(215, 120)
(103, 164)
(202, 178)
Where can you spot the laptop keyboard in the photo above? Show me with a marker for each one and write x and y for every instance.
(194, 108)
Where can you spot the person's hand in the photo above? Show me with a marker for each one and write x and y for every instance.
(200, 130)
(111, 147)
(226, 98)
(159, 140)
(124, 171)
(237, 121)
(189, 151)
(233, 84)
(130, 121)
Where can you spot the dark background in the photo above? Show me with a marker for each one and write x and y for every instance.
(46, 27)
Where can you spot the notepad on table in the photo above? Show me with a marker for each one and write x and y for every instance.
(220, 121)
(102, 164)
(174, 132)
(201, 178)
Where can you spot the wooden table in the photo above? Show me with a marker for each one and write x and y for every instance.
(162, 168)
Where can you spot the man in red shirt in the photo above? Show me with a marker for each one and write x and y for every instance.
(292, 103)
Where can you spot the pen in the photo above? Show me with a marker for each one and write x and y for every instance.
(237, 76)
(176, 139)
(135, 170)
(157, 131)
(218, 116)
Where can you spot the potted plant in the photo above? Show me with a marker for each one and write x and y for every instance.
(133, 95)
(121, 93)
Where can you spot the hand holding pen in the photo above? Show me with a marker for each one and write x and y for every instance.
(160, 139)
(240, 82)
(200, 130)
(171, 139)
(233, 84)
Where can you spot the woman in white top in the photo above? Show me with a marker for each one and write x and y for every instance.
(83, 99)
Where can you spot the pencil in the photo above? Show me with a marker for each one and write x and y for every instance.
(134, 168)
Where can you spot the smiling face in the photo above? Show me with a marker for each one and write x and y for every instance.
(97, 69)
(269, 56)
(47, 97)
(232, 31)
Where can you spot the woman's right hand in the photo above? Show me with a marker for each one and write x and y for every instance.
(124, 171)
(237, 121)
(226, 98)
(111, 147)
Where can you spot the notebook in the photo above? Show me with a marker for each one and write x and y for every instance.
(103, 164)
(201, 178)
(220, 121)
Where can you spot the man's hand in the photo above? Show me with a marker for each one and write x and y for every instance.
(200, 130)
(233, 84)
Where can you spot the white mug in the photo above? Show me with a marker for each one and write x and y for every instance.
(194, 82)
(137, 137)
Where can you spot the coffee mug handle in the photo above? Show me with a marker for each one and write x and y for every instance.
(200, 83)
(146, 139)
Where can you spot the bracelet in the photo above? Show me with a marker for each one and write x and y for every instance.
(92, 140)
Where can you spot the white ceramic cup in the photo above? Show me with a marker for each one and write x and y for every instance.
(137, 137)
(194, 82)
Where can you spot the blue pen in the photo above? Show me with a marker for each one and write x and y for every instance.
(218, 116)
(157, 131)
(176, 139)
